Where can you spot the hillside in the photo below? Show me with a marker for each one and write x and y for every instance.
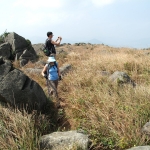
(111, 113)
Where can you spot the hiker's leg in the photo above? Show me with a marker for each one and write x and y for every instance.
(50, 91)
(54, 85)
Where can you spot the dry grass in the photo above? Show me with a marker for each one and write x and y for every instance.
(112, 115)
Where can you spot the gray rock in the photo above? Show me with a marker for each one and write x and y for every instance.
(120, 78)
(18, 55)
(38, 48)
(33, 70)
(27, 55)
(40, 64)
(21, 47)
(5, 68)
(17, 88)
(64, 140)
(146, 128)
(23, 62)
(140, 148)
(5, 50)
(1, 60)
(16, 41)
(64, 69)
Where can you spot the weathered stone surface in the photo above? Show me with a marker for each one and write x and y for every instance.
(16, 41)
(33, 70)
(40, 64)
(38, 48)
(5, 50)
(27, 55)
(18, 55)
(64, 140)
(21, 48)
(23, 62)
(1, 60)
(146, 128)
(5, 68)
(120, 78)
(140, 148)
(64, 69)
(17, 88)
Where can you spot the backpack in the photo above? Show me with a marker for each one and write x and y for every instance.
(45, 49)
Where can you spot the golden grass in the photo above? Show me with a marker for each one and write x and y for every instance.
(112, 115)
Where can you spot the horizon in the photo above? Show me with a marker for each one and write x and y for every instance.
(112, 22)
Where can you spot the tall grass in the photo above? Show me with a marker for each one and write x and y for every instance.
(22, 130)
(112, 115)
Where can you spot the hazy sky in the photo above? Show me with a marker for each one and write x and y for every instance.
(113, 22)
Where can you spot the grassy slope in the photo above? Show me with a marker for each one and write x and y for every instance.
(111, 115)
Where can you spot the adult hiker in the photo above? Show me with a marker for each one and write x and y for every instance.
(52, 73)
(50, 44)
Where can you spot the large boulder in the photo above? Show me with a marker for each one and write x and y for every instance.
(5, 50)
(20, 46)
(38, 48)
(25, 57)
(121, 78)
(140, 148)
(146, 128)
(64, 140)
(17, 42)
(16, 88)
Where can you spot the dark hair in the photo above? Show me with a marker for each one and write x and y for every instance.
(49, 33)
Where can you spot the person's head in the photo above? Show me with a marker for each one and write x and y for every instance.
(51, 60)
(50, 34)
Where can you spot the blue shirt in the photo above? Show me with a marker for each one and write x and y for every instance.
(53, 72)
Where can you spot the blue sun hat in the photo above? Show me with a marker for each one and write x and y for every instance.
(51, 59)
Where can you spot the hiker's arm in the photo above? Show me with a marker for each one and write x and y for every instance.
(58, 38)
(44, 70)
(57, 42)
(58, 70)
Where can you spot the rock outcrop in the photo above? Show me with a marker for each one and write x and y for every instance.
(38, 48)
(146, 128)
(5, 50)
(121, 78)
(16, 88)
(64, 140)
(18, 47)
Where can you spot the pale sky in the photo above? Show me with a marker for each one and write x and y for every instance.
(113, 22)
